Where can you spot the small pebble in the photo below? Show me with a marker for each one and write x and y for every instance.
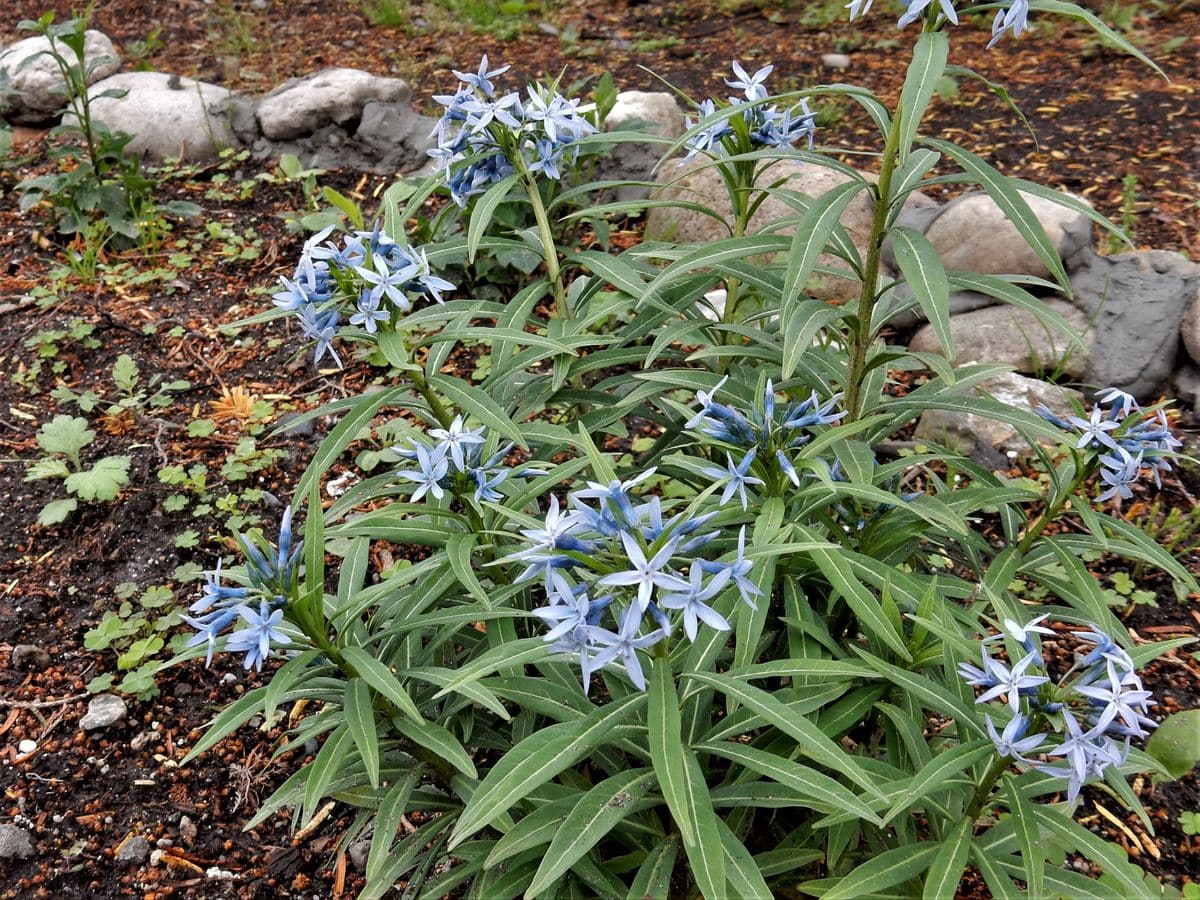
(187, 830)
(15, 843)
(835, 60)
(26, 746)
(30, 658)
(143, 740)
(228, 678)
(103, 711)
(134, 850)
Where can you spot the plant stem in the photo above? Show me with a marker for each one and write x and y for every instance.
(860, 338)
(549, 248)
(1050, 513)
(998, 767)
(435, 402)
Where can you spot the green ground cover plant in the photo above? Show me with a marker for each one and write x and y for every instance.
(753, 657)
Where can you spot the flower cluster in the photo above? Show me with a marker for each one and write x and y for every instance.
(370, 279)
(606, 559)
(496, 136)
(1089, 716)
(765, 125)
(273, 573)
(1127, 439)
(769, 432)
(456, 463)
(1011, 17)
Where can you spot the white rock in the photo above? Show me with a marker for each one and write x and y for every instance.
(300, 106)
(972, 233)
(1190, 327)
(103, 711)
(26, 746)
(169, 117)
(704, 186)
(653, 112)
(37, 87)
(835, 60)
(1014, 337)
(15, 842)
(988, 441)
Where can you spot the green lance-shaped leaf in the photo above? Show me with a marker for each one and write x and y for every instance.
(381, 678)
(653, 878)
(1003, 191)
(360, 718)
(1028, 837)
(924, 71)
(485, 208)
(477, 403)
(922, 268)
(885, 870)
(809, 739)
(946, 870)
(683, 786)
(938, 771)
(594, 816)
(820, 788)
(536, 760)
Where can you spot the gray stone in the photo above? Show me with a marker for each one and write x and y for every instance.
(1190, 327)
(972, 233)
(1185, 385)
(960, 302)
(142, 740)
(15, 843)
(169, 117)
(984, 439)
(135, 850)
(301, 106)
(187, 830)
(704, 186)
(38, 87)
(339, 119)
(650, 112)
(1137, 303)
(103, 711)
(1014, 337)
(30, 658)
(358, 853)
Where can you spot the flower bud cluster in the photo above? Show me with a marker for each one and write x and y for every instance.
(1127, 440)
(764, 125)
(1011, 16)
(496, 136)
(607, 561)
(456, 463)
(1079, 726)
(273, 573)
(768, 432)
(370, 280)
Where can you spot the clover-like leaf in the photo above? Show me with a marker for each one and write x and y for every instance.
(56, 511)
(66, 435)
(103, 481)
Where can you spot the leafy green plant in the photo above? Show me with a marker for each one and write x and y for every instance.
(1189, 823)
(62, 440)
(138, 632)
(100, 187)
(657, 617)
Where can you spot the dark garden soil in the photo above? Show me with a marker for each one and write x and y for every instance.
(1098, 116)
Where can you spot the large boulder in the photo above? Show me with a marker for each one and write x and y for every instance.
(649, 112)
(1190, 327)
(987, 440)
(341, 118)
(37, 85)
(1013, 337)
(960, 302)
(705, 187)
(168, 116)
(1136, 302)
(301, 106)
(973, 234)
